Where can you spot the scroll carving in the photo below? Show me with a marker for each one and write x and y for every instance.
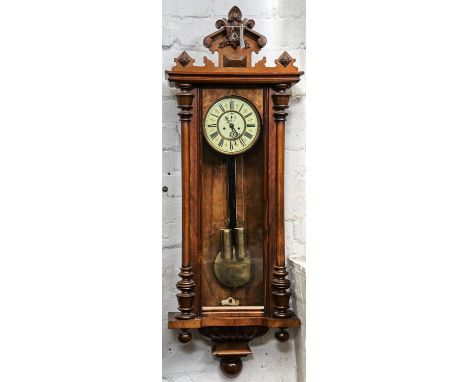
(234, 26)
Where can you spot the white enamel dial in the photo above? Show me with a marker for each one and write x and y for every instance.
(232, 125)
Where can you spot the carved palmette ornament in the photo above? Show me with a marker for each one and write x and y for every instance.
(234, 26)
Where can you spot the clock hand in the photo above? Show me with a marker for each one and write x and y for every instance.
(234, 130)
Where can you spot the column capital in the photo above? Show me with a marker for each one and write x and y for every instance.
(280, 101)
(184, 102)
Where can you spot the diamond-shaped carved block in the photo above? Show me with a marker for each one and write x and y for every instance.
(285, 59)
(184, 59)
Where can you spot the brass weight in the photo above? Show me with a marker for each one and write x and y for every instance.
(233, 266)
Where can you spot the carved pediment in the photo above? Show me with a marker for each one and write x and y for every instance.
(235, 41)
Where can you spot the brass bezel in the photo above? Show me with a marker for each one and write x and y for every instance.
(254, 141)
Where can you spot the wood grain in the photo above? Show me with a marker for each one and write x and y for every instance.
(195, 195)
(280, 284)
(214, 210)
(186, 285)
(270, 200)
(200, 322)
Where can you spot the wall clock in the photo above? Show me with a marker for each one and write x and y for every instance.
(233, 279)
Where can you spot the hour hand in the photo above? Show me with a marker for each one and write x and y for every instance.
(234, 133)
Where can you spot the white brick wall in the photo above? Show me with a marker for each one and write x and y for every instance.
(185, 23)
(297, 275)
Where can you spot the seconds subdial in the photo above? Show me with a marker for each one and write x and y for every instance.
(232, 127)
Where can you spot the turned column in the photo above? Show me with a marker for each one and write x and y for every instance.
(280, 284)
(186, 285)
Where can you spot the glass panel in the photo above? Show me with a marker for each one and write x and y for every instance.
(232, 255)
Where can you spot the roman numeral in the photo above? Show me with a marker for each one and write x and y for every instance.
(212, 125)
(248, 115)
(251, 125)
(222, 108)
(241, 141)
(214, 115)
(231, 104)
(231, 146)
(214, 135)
(241, 107)
(248, 135)
(221, 142)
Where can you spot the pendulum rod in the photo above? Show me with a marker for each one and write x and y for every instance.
(231, 163)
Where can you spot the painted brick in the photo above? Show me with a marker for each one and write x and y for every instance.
(171, 136)
(171, 258)
(295, 249)
(171, 161)
(282, 33)
(167, 91)
(173, 184)
(294, 162)
(171, 227)
(182, 9)
(295, 128)
(170, 110)
(299, 230)
(297, 269)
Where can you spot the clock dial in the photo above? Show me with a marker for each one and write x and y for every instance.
(232, 125)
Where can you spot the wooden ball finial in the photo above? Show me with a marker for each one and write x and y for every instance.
(185, 336)
(282, 335)
(231, 367)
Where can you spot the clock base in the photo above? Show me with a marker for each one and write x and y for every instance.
(230, 344)
(231, 335)
(233, 321)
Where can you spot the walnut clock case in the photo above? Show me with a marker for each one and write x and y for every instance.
(233, 280)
